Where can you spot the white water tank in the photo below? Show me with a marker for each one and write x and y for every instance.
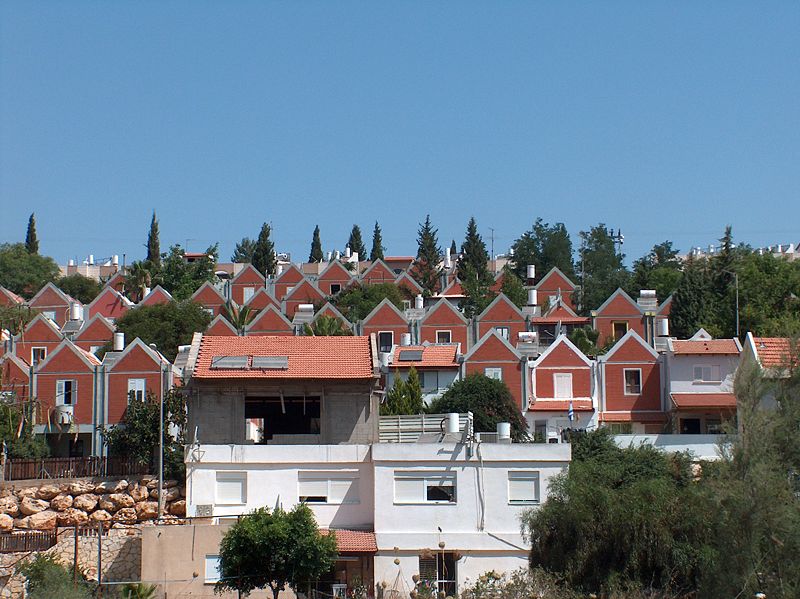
(662, 325)
(503, 432)
(64, 414)
(347, 252)
(338, 254)
(115, 259)
(533, 297)
(330, 255)
(447, 260)
(531, 271)
(306, 308)
(119, 341)
(385, 358)
(146, 292)
(354, 257)
(418, 302)
(526, 336)
(405, 339)
(71, 263)
(90, 261)
(452, 423)
(279, 270)
(75, 311)
(648, 293)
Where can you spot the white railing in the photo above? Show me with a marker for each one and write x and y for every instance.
(408, 428)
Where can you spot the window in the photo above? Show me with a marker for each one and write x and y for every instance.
(439, 568)
(425, 487)
(328, 487)
(494, 373)
(93, 348)
(66, 392)
(707, 374)
(633, 381)
(212, 569)
(38, 354)
(620, 328)
(523, 486)
(209, 311)
(619, 428)
(231, 488)
(136, 389)
(385, 341)
(51, 314)
(289, 289)
(335, 288)
(444, 336)
(248, 292)
(502, 331)
(562, 384)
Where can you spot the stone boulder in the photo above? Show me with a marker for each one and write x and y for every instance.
(147, 510)
(168, 484)
(72, 517)
(46, 520)
(151, 484)
(48, 492)
(9, 505)
(111, 486)
(6, 523)
(60, 503)
(80, 487)
(21, 522)
(26, 492)
(139, 493)
(178, 508)
(126, 514)
(86, 502)
(29, 506)
(170, 494)
(116, 501)
(100, 516)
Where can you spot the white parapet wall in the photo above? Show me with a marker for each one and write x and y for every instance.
(702, 447)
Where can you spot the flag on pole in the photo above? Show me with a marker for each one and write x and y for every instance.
(571, 413)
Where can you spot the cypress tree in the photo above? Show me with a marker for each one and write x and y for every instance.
(264, 253)
(426, 267)
(243, 252)
(153, 243)
(356, 243)
(377, 244)
(31, 240)
(474, 255)
(690, 301)
(453, 248)
(316, 247)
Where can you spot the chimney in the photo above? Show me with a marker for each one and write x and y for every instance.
(119, 341)
(530, 273)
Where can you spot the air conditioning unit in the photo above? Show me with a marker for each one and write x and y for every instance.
(204, 511)
(64, 415)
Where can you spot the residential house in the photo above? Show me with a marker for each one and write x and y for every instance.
(387, 323)
(269, 321)
(109, 303)
(220, 326)
(286, 281)
(9, 298)
(504, 316)
(443, 323)
(245, 284)
(616, 316)
(15, 377)
(305, 292)
(94, 334)
(53, 303)
(405, 282)
(331, 311)
(156, 296)
(35, 342)
(437, 365)
(556, 284)
(559, 319)
(495, 357)
(210, 298)
(378, 272)
(334, 278)
(261, 299)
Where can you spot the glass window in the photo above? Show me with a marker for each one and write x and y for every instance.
(51, 314)
(620, 328)
(562, 384)
(523, 486)
(248, 292)
(443, 336)
(231, 488)
(494, 373)
(385, 341)
(322, 487)
(707, 373)
(212, 569)
(503, 331)
(136, 389)
(38, 354)
(335, 288)
(439, 570)
(66, 393)
(633, 381)
(430, 487)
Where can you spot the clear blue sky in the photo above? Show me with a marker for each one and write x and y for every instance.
(667, 120)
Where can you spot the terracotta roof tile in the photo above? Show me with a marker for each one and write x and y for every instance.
(560, 405)
(355, 541)
(433, 356)
(704, 400)
(774, 352)
(308, 357)
(713, 346)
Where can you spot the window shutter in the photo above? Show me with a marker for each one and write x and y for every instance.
(231, 488)
(60, 393)
(523, 486)
(313, 487)
(212, 568)
(344, 490)
(563, 385)
(408, 489)
(427, 568)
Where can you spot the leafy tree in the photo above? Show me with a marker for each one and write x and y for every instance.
(79, 287)
(138, 590)
(489, 400)
(477, 293)
(316, 247)
(601, 266)
(138, 279)
(513, 288)
(238, 316)
(166, 325)
(691, 301)
(356, 243)
(244, 250)
(16, 430)
(182, 278)
(31, 240)
(357, 301)
(138, 439)
(660, 269)
(326, 326)
(153, 243)
(585, 339)
(46, 578)
(16, 318)
(426, 267)
(544, 246)
(274, 548)
(377, 244)
(769, 295)
(405, 396)
(264, 252)
(25, 273)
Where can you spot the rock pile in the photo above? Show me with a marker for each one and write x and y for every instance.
(85, 502)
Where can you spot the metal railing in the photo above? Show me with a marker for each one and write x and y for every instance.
(72, 468)
(27, 541)
(407, 429)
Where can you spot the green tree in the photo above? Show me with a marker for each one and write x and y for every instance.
(489, 400)
(405, 396)
(31, 240)
(182, 278)
(513, 288)
(477, 293)
(16, 318)
(585, 339)
(377, 244)
(244, 250)
(543, 246)
(426, 267)
(25, 273)
(46, 578)
(316, 247)
(153, 243)
(166, 325)
(601, 266)
(275, 549)
(769, 295)
(356, 243)
(474, 255)
(79, 287)
(357, 301)
(138, 439)
(238, 316)
(326, 326)
(139, 278)
(691, 301)
(453, 248)
(264, 252)
(17, 420)
(660, 269)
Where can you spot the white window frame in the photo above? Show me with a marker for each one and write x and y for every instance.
(567, 376)
(93, 349)
(49, 314)
(494, 373)
(137, 386)
(504, 332)
(714, 374)
(234, 476)
(449, 335)
(61, 392)
(248, 293)
(391, 345)
(526, 476)
(209, 311)
(338, 288)
(211, 559)
(625, 372)
(34, 361)
(330, 479)
(426, 480)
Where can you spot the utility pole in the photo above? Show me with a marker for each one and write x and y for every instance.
(493, 264)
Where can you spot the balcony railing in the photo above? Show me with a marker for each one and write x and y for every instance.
(72, 468)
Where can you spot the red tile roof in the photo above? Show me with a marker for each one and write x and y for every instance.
(633, 417)
(713, 346)
(774, 352)
(355, 541)
(560, 405)
(308, 357)
(433, 356)
(704, 400)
